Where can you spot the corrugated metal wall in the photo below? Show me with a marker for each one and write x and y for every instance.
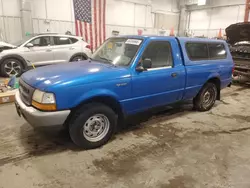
(207, 21)
(57, 26)
(166, 21)
(10, 28)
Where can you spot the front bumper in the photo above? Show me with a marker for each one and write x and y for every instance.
(38, 118)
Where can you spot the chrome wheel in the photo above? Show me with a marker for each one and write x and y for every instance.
(12, 68)
(96, 128)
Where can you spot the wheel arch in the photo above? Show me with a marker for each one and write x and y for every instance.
(15, 56)
(108, 100)
(78, 54)
(216, 80)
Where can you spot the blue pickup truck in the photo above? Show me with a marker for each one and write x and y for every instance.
(126, 75)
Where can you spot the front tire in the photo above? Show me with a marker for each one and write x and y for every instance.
(206, 98)
(11, 67)
(78, 58)
(92, 125)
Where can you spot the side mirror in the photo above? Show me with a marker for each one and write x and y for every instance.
(147, 63)
(139, 68)
(29, 45)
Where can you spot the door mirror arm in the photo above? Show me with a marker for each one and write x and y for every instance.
(147, 63)
(144, 65)
(29, 45)
(140, 68)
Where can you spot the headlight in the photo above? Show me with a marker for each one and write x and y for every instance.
(44, 101)
(44, 98)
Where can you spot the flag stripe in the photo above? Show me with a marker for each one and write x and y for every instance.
(86, 31)
(92, 32)
(91, 37)
(100, 22)
(76, 24)
(104, 20)
(95, 24)
(80, 26)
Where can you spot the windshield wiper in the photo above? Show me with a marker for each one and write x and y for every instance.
(108, 60)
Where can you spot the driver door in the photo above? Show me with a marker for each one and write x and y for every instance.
(41, 53)
(162, 82)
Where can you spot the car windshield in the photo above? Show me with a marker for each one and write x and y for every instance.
(20, 42)
(117, 51)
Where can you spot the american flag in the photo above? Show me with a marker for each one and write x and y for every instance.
(90, 21)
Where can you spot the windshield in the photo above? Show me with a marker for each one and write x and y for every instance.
(20, 42)
(117, 51)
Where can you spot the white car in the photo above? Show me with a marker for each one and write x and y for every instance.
(43, 49)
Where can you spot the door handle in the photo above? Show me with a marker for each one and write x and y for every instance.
(174, 74)
(49, 50)
(71, 48)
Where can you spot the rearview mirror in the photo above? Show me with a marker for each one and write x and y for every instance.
(147, 63)
(29, 45)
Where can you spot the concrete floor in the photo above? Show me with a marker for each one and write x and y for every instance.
(179, 148)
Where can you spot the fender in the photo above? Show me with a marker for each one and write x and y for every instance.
(213, 75)
(15, 56)
(197, 89)
(95, 93)
(216, 76)
(79, 54)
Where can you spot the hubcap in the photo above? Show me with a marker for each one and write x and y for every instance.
(77, 58)
(12, 68)
(96, 128)
(209, 97)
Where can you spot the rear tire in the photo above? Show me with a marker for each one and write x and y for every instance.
(92, 125)
(206, 98)
(11, 67)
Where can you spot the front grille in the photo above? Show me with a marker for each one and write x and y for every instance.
(26, 92)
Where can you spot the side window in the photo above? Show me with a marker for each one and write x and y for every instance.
(61, 40)
(36, 42)
(73, 40)
(197, 51)
(160, 54)
(41, 41)
(217, 51)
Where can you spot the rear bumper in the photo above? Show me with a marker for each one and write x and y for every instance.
(38, 118)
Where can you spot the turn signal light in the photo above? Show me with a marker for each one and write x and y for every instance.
(44, 107)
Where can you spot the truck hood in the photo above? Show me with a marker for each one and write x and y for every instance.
(73, 74)
(238, 32)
